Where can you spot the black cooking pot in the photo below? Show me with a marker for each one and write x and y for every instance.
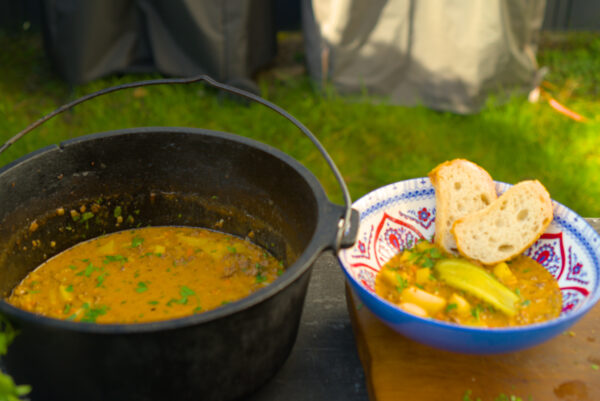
(162, 176)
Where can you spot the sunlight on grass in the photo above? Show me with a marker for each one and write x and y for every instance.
(373, 143)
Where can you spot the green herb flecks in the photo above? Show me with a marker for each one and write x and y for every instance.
(90, 314)
(89, 269)
(185, 293)
(86, 216)
(141, 287)
(426, 257)
(260, 276)
(100, 279)
(136, 242)
(402, 283)
(475, 312)
(114, 258)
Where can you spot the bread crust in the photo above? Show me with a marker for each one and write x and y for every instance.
(507, 227)
(461, 187)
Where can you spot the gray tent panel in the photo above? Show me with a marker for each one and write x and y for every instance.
(229, 39)
(445, 54)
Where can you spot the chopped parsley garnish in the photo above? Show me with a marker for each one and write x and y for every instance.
(475, 312)
(91, 314)
(100, 279)
(141, 287)
(136, 241)
(114, 258)
(402, 283)
(185, 293)
(69, 288)
(231, 249)
(89, 269)
(426, 257)
(449, 307)
(86, 216)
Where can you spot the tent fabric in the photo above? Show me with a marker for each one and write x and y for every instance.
(444, 54)
(228, 39)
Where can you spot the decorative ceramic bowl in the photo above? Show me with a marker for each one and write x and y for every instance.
(398, 214)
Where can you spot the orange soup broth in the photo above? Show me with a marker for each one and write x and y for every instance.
(540, 298)
(146, 274)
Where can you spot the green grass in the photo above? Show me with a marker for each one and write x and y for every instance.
(372, 143)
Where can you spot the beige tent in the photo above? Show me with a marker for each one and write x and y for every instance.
(445, 54)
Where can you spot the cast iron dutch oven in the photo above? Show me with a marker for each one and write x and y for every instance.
(163, 176)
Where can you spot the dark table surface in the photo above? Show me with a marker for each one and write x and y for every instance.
(324, 363)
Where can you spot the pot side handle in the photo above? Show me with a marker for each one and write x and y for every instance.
(333, 224)
(343, 224)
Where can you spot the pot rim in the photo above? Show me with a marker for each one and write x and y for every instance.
(328, 214)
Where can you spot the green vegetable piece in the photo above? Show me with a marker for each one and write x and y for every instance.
(477, 282)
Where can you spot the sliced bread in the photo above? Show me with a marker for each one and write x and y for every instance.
(461, 188)
(508, 226)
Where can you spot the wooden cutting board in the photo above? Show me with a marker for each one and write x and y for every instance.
(396, 368)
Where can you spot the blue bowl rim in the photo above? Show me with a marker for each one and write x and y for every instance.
(561, 320)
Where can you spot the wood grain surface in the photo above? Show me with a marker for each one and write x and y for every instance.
(565, 368)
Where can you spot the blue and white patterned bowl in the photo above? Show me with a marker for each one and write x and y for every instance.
(398, 214)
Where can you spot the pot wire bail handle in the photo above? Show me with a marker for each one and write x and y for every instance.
(343, 224)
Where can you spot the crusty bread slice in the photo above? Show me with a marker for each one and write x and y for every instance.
(461, 187)
(508, 226)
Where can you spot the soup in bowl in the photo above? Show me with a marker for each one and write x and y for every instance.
(396, 217)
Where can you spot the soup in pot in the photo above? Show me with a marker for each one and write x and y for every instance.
(146, 274)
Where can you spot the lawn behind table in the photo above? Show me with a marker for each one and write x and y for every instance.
(373, 143)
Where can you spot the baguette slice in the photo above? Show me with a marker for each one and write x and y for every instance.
(508, 226)
(461, 187)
